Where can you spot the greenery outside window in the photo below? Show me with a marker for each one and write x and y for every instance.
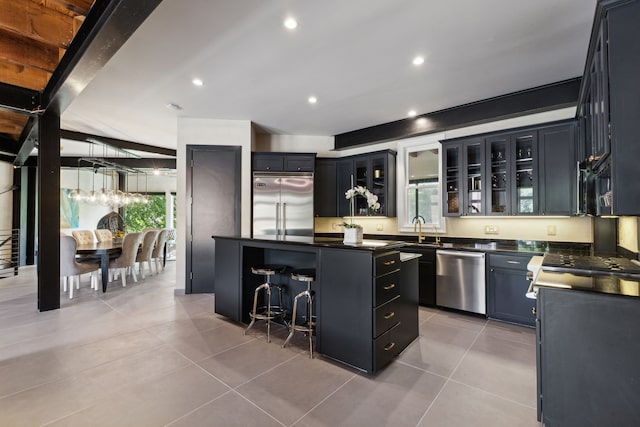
(419, 184)
(139, 216)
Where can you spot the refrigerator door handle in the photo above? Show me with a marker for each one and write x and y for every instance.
(284, 219)
(277, 219)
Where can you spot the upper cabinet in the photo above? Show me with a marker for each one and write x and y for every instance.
(608, 111)
(283, 162)
(375, 171)
(504, 174)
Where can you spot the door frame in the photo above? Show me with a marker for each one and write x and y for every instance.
(191, 150)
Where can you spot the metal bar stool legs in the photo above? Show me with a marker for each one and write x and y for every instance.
(267, 312)
(307, 327)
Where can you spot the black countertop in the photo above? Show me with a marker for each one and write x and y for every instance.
(600, 283)
(330, 242)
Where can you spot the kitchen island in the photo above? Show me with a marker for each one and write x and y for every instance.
(366, 300)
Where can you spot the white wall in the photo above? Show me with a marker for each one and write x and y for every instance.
(6, 199)
(194, 131)
(154, 183)
(323, 145)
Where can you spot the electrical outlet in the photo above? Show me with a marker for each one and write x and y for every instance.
(491, 229)
(551, 230)
(379, 227)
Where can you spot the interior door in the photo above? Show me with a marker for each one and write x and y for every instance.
(213, 188)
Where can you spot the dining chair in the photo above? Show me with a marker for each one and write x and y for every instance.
(70, 268)
(148, 242)
(158, 250)
(127, 258)
(83, 237)
(103, 235)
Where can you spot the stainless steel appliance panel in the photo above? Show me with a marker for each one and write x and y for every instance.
(282, 205)
(460, 280)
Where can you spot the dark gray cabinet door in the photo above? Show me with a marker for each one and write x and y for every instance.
(213, 187)
(345, 171)
(558, 170)
(325, 188)
(506, 288)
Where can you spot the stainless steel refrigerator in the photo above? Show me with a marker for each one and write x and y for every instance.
(282, 204)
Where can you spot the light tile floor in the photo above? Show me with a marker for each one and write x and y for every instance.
(141, 356)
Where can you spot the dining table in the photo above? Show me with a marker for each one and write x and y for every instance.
(103, 250)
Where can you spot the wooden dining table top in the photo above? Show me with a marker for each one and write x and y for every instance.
(99, 247)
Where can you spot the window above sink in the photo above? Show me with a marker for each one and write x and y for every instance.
(419, 185)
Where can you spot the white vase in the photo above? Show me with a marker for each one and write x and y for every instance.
(352, 235)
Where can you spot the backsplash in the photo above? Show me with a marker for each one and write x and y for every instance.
(574, 229)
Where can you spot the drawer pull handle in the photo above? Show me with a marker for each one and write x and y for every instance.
(389, 315)
(389, 346)
(513, 262)
(390, 262)
(391, 286)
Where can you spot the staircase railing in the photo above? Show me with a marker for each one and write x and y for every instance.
(9, 252)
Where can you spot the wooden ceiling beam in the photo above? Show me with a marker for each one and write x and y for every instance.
(23, 76)
(37, 22)
(68, 7)
(11, 124)
(26, 51)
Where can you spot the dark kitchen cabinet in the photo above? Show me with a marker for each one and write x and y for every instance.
(426, 274)
(558, 170)
(526, 171)
(608, 110)
(463, 166)
(325, 188)
(283, 162)
(588, 345)
(375, 171)
(506, 287)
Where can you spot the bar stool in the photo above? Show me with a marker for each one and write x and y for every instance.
(303, 275)
(267, 312)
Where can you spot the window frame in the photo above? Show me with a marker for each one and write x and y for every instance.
(405, 147)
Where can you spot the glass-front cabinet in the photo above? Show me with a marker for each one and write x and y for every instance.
(525, 184)
(452, 169)
(498, 150)
(474, 171)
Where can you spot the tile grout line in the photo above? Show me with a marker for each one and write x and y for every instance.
(450, 375)
(258, 407)
(323, 400)
(197, 408)
(493, 394)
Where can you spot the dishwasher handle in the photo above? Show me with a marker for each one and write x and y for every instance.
(461, 254)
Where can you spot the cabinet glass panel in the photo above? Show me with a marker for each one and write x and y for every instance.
(474, 179)
(524, 152)
(378, 180)
(452, 183)
(361, 178)
(499, 172)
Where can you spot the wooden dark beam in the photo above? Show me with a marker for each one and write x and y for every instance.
(23, 76)
(543, 98)
(69, 7)
(106, 28)
(118, 143)
(29, 52)
(11, 124)
(36, 21)
(48, 211)
(27, 140)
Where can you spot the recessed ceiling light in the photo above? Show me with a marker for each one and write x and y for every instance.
(172, 106)
(197, 82)
(290, 23)
(312, 99)
(418, 60)
(412, 113)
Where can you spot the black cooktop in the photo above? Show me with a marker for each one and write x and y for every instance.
(590, 264)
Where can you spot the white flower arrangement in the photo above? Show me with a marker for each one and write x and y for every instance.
(372, 201)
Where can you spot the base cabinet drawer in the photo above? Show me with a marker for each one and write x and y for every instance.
(386, 316)
(387, 263)
(386, 347)
(387, 287)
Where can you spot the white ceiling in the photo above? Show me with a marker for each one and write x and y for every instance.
(354, 55)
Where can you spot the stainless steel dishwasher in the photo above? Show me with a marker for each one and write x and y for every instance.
(460, 280)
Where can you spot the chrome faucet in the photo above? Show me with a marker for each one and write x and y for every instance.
(417, 221)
